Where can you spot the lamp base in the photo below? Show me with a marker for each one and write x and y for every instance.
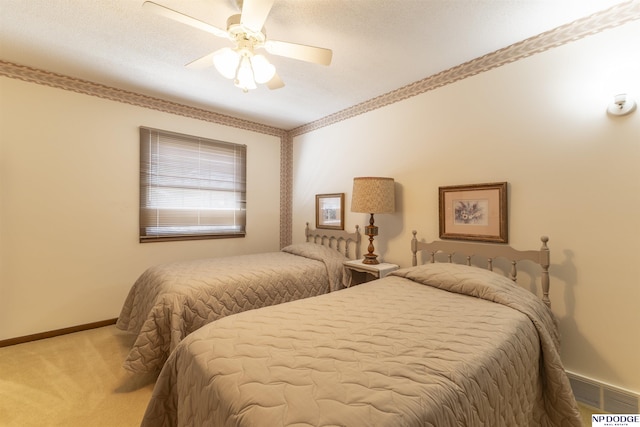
(370, 259)
(371, 230)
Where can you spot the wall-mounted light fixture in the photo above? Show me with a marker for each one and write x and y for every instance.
(621, 105)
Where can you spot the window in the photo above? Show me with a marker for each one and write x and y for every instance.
(190, 187)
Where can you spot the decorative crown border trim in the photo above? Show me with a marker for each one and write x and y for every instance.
(86, 87)
(593, 24)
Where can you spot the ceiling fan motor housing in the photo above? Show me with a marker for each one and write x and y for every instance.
(243, 36)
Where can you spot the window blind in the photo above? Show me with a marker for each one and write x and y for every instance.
(190, 187)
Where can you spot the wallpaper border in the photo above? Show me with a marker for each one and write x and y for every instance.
(60, 81)
(593, 24)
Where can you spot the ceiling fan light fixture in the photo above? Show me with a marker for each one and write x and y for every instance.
(246, 31)
(226, 61)
(263, 71)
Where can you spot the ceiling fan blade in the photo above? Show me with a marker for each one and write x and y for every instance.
(318, 55)
(202, 63)
(185, 19)
(275, 82)
(254, 13)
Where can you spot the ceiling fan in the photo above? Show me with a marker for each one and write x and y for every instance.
(247, 33)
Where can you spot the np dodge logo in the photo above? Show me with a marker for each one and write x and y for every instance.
(615, 420)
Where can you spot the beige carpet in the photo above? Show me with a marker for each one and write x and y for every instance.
(71, 380)
(77, 380)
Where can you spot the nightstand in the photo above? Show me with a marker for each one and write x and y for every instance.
(361, 273)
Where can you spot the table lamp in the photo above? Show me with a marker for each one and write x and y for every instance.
(372, 195)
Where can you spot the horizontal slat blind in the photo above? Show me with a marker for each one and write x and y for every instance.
(190, 187)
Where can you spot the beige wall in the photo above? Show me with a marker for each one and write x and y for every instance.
(574, 175)
(69, 250)
(68, 244)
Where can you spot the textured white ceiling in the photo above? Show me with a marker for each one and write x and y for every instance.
(378, 46)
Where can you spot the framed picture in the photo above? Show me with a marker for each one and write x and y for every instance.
(330, 211)
(474, 212)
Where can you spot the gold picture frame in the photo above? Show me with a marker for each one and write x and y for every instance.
(474, 212)
(330, 211)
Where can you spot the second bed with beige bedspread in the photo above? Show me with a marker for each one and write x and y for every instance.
(434, 345)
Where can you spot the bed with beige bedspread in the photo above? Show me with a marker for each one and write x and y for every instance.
(170, 301)
(433, 345)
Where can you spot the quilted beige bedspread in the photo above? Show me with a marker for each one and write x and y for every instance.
(435, 345)
(169, 301)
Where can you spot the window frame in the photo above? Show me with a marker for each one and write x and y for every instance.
(191, 188)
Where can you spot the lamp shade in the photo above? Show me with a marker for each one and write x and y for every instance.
(226, 61)
(263, 71)
(373, 195)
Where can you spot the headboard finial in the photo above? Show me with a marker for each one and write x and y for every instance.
(414, 249)
(545, 262)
